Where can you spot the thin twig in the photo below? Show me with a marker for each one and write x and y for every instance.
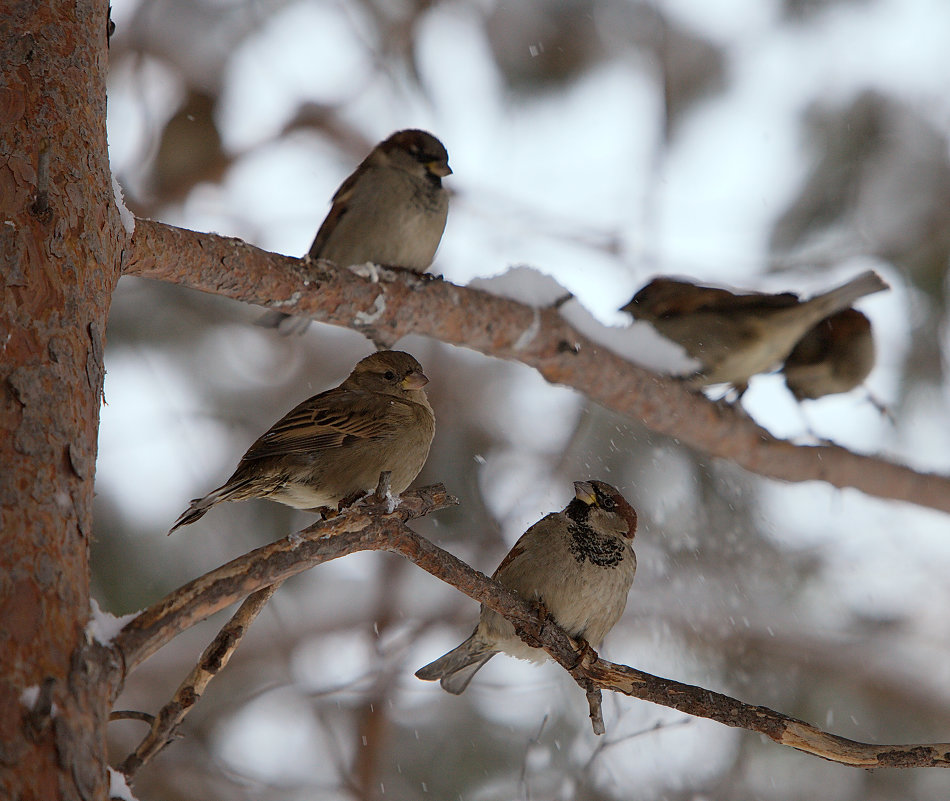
(131, 714)
(594, 701)
(604, 744)
(212, 661)
(536, 740)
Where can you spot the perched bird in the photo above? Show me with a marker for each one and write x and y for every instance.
(390, 211)
(333, 446)
(835, 356)
(578, 563)
(737, 335)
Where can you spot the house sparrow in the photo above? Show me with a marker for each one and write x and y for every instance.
(578, 563)
(391, 211)
(334, 445)
(835, 356)
(738, 335)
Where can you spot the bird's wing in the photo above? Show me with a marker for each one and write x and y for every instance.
(544, 528)
(670, 297)
(340, 206)
(332, 419)
(753, 301)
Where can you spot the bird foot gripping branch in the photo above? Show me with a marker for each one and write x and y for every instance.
(531, 630)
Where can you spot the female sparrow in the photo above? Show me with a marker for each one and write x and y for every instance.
(579, 563)
(390, 211)
(737, 335)
(834, 356)
(334, 445)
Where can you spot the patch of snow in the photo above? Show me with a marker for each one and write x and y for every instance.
(103, 626)
(525, 284)
(128, 219)
(29, 695)
(392, 501)
(639, 342)
(118, 787)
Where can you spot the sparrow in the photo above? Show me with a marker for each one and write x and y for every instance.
(333, 446)
(577, 563)
(735, 335)
(391, 210)
(835, 356)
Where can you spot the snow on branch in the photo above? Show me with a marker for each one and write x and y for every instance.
(390, 304)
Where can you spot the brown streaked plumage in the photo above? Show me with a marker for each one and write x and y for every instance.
(391, 211)
(835, 356)
(738, 335)
(579, 563)
(335, 444)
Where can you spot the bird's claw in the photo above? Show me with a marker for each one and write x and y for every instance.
(586, 656)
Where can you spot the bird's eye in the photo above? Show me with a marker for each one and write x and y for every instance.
(608, 503)
(389, 375)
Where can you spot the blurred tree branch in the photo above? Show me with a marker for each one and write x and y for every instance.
(365, 528)
(386, 305)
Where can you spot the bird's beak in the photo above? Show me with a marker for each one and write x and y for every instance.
(584, 491)
(439, 168)
(415, 380)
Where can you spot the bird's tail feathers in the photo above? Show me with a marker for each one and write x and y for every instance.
(200, 506)
(867, 283)
(456, 669)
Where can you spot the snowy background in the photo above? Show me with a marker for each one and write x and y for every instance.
(767, 144)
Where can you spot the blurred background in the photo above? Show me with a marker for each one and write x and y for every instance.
(766, 144)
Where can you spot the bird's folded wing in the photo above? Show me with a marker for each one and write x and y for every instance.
(339, 207)
(671, 297)
(330, 420)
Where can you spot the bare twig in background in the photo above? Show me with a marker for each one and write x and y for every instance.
(532, 742)
(213, 660)
(357, 530)
(401, 303)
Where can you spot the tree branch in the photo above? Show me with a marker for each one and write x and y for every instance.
(360, 528)
(213, 660)
(356, 530)
(400, 303)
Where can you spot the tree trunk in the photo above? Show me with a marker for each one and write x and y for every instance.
(61, 241)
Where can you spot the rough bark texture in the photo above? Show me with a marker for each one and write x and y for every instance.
(60, 241)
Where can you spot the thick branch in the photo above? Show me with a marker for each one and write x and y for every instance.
(401, 303)
(359, 529)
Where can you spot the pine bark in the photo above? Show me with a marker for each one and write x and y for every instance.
(60, 249)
